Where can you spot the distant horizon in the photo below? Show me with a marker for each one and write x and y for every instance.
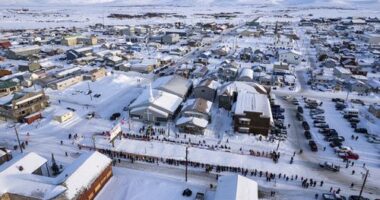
(48, 3)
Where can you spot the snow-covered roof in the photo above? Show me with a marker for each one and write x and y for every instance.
(159, 99)
(26, 48)
(236, 187)
(69, 183)
(253, 102)
(24, 164)
(198, 104)
(343, 70)
(246, 72)
(83, 172)
(209, 83)
(238, 86)
(173, 84)
(193, 120)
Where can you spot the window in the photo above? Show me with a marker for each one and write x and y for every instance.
(160, 119)
(243, 129)
(244, 121)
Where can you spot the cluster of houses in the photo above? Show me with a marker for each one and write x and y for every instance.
(347, 53)
(30, 176)
(175, 99)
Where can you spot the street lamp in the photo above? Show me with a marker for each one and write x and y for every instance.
(186, 162)
(18, 139)
(364, 181)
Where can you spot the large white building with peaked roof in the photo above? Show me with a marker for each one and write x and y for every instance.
(161, 100)
(236, 187)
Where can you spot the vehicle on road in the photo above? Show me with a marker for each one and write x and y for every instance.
(329, 166)
(349, 155)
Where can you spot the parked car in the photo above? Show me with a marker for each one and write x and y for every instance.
(361, 130)
(299, 109)
(299, 116)
(316, 121)
(333, 196)
(308, 135)
(349, 155)
(319, 117)
(69, 108)
(313, 145)
(199, 196)
(354, 124)
(357, 101)
(321, 125)
(335, 138)
(337, 100)
(356, 197)
(340, 106)
(335, 143)
(306, 125)
(115, 116)
(355, 120)
(342, 149)
(373, 140)
(329, 166)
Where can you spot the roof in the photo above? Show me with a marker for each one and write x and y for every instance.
(7, 84)
(83, 172)
(192, 120)
(236, 187)
(173, 84)
(246, 72)
(198, 104)
(30, 162)
(253, 102)
(209, 83)
(343, 70)
(77, 176)
(159, 99)
(239, 86)
(27, 48)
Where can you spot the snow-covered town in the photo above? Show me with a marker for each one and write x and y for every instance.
(190, 100)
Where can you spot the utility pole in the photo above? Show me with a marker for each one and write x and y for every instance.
(278, 145)
(365, 180)
(187, 153)
(18, 139)
(89, 90)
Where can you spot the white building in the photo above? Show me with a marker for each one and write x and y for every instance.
(236, 187)
(290, 56)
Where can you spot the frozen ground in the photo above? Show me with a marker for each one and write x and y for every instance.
(119, 89)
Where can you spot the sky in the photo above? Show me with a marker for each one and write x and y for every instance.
(185, 2)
